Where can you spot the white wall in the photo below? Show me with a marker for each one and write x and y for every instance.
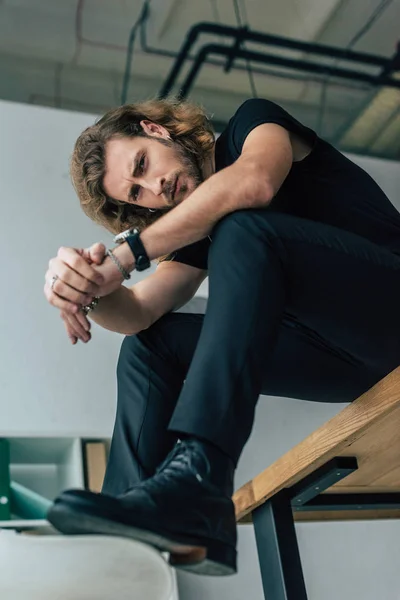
(49, 387)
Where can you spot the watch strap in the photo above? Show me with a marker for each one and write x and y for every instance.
(142, 261)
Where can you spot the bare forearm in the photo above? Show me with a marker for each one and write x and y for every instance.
(120, 312)
(236, 187)
(232, 189)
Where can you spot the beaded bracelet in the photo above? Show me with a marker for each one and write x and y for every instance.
(86, 309)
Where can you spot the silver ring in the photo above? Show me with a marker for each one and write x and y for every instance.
(52, 281)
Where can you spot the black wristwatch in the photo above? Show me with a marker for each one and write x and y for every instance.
(132, 236)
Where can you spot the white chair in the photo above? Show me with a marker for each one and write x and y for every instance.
(82, 567)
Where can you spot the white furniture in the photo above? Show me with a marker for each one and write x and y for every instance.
(55, 567)
(50, 566)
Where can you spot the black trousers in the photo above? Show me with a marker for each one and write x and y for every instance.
(296, 309)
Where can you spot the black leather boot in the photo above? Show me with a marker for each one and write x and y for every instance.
(184, 509)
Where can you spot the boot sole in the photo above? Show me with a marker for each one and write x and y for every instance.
(219, 560)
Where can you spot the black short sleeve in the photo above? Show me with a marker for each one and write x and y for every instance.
(195, 255)
(257, 111)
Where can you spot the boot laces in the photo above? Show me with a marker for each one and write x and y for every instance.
(179, 457)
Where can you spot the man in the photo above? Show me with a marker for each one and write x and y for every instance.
(302, 250)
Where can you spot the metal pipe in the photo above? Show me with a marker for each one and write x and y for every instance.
(242, 34)
(144, 46)
(281, 61)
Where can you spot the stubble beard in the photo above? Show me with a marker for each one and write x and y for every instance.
(189, 170)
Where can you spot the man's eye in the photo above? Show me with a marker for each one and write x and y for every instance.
(135, 192)
(141, 164)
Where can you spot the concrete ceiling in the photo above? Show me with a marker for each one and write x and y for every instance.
(72, 55)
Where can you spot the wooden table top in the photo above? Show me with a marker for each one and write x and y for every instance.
(368, 429)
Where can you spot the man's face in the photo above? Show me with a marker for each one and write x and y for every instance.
(153, 171)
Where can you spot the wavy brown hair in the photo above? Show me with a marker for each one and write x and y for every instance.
(187, 125)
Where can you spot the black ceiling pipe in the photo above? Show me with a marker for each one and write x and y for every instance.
(242, 34)
(147, 49)
(289, 63)
(393, 64)
(144, 46)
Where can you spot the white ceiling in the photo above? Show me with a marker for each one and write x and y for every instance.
(72, 54)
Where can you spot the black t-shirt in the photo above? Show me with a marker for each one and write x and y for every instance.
(325, 186)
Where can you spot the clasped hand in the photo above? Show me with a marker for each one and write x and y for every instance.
(81, 274)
